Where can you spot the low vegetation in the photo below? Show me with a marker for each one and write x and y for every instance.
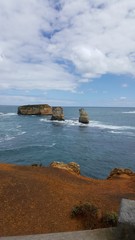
(110, 219)
(91, 217)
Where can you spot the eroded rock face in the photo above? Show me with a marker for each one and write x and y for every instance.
(84, 118)
(57, 114)
(120, 173)
(39, 109)
(70, 167)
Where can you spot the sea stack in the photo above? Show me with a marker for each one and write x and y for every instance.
(39, 109)
(57, 114)
(84, 118)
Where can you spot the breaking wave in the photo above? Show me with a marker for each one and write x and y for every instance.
(130, 134)
(130, 112)
(7, 114)
(6, 138)
(9, 137)
(112, 127)
(94, 124)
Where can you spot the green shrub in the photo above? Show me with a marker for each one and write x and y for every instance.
(87, 213)
(85, 209)
(110, 218)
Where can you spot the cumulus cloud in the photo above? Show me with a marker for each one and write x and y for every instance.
(58, 44)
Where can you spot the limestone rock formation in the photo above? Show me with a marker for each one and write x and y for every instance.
(84, 118)
(72, 167)
(57, 114)
(120, 173)
(39, 109)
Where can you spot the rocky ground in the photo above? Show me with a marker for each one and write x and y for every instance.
(40, 199)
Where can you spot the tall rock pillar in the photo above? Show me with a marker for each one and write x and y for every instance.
(84, 118)
(57, 114)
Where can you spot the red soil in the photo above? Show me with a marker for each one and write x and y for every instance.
(37, 200)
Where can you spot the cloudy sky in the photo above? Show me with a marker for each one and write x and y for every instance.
(68, 53)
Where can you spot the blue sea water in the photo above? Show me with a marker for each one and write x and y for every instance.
(108, 141)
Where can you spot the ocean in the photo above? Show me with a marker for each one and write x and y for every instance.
(107, 142)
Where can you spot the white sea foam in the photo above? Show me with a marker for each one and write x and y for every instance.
(73, 122)
(21, 133)
(93, 124)
(8, 138)
(112, 127)
(18, 126)
(7, 114)
(115, 132)
(66, 122)
(130, 112)
(51, 145)
(130, 134)
(44, 120)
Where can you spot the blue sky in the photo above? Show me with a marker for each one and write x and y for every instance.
(67, 53)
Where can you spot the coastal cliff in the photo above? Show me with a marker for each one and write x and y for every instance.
(39, 109)
(36, 199)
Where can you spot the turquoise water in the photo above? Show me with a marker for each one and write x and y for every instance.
(108, 141)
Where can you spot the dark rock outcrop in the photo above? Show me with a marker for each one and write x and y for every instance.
(57, 114)
(84, 118)
(120, 173)
(39, 109)
(71, 167)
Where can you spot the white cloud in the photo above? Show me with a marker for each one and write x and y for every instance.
(96, 37)
(21, 100)
(35, 76)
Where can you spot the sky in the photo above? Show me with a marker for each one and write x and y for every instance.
(67, 53)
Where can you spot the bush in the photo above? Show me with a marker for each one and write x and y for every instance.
(110, 219)
(87, 212)
(84, 210)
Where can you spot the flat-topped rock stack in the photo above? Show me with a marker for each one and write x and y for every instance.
(42, 109)
(38, 109)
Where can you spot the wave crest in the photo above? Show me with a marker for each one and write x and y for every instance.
(93, 124)
(129, 112)
(7, 114)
